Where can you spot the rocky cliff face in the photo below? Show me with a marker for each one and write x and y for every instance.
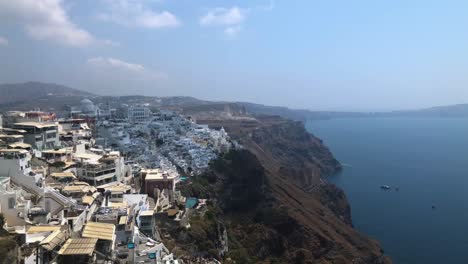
(295, 216)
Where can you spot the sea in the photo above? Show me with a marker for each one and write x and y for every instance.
(425, 220)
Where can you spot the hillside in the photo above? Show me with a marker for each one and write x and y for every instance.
(273, 200)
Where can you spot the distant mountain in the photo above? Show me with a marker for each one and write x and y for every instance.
(29, 95)
(37, 95)
(19, 92)
(458, 110)
(298, 114)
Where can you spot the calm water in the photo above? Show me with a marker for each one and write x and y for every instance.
(428, 160)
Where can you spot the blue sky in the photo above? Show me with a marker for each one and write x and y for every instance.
(321, 55)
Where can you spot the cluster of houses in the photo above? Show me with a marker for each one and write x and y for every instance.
(100, 190)
(167, 140)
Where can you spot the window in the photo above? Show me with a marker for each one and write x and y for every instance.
(11, 203)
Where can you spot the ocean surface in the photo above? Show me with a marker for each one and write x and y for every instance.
(427, 159)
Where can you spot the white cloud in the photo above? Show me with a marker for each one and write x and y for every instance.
(229, 18)
(116, 63)
(137, 13)
(224, 16)
(3, 41)
(45, 20)
(232, 31)
(123, 69)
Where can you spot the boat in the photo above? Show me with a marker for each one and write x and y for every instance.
(385, 187)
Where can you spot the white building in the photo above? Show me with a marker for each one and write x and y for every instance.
(97, 170)
(14, 161)
(139, 114)
(40, 135)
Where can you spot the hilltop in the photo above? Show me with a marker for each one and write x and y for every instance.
(29, 95)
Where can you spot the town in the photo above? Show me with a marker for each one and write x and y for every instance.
(96, 184)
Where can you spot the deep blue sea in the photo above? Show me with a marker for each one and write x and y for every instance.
(428, 160)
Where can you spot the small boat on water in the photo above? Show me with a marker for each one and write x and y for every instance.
(385, 187)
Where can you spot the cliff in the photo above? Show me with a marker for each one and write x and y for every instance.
(273, 203)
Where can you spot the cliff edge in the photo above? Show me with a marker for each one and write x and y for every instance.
(272, 201)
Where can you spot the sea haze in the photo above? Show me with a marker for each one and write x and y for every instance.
(427, 159)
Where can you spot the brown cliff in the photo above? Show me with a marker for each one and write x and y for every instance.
(299, 218)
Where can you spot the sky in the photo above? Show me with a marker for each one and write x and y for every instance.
(319, 55)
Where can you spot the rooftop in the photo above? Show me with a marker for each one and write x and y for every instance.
(13, 151)
(53, 240)
(63, 175)
(11, 136)
(35, 124)
(99, 230)
(59, 151)
(157, 174)
(78, 246)
(147, 213)
(88, 156)
(88, 199)
(20, 145)
(44, 228)
(79, 188)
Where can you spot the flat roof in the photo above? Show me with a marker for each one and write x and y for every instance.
(14, 150)
(76, 188)
(157, 174)
(123, 220)
(12, 130)
(147, 213)
(59, 151)
(11, 136)
(71, 120)
(19, 145)
(97, 230)
(35, 124)
(80, 183)
(118, 188)
(118, 205)
(78, 246)
(44, 228)
(88, 156)
(62, 174)
(69, 163)
(87, 199)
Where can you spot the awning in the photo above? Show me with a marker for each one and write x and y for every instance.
(53, 240)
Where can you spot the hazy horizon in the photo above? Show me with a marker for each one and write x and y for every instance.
(330, 56)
